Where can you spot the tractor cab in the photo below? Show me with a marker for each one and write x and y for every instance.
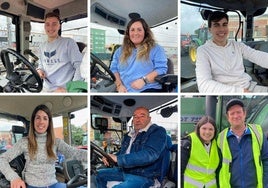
(112, 120)
(246, 24)
(108, 23)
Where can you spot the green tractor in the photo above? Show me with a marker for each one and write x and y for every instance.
(193, 108)
(199, 38)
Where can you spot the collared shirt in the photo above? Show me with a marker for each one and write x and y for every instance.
(231, 132)
(133, 134)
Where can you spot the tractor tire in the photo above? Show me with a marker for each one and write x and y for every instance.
(192, 52)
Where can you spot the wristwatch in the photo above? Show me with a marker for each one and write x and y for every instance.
(146, 81)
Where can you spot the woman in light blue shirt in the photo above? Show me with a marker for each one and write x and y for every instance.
(139, 60)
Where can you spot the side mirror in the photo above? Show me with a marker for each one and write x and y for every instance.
(18, 129)
(168, 111)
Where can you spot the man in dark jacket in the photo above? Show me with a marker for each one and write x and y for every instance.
(140, 157)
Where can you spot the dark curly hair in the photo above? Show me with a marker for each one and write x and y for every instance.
(216, 16)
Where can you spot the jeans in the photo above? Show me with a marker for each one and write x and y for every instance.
(127, 180)
(152, 90)
(56, 185)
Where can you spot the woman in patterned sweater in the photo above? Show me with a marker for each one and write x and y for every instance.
(39, 150)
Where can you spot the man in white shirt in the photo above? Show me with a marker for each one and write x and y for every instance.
(219, 65)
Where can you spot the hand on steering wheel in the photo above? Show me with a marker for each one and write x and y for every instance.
(102, 154)
(106, 162)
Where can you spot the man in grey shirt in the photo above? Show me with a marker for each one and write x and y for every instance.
(60, 58)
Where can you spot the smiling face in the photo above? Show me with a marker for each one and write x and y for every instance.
(141, 118)
(236, 116)
(41, 122)
(52, 26)
(136, 33)
(207, 132)
(219, 31)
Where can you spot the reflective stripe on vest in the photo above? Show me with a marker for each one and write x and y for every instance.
(257, 141)
(200, 169)
(258, 132)
(199, 184)
(202, 165)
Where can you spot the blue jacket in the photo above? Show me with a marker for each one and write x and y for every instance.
(146, 154)
(243, 172)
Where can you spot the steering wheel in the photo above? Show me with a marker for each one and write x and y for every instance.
(95, 149)
(20, 79)
(105, 74)
(78, 180)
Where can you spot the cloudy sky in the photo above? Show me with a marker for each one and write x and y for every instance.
(190, 19)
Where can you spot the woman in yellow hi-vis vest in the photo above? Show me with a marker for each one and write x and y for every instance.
(199, 156)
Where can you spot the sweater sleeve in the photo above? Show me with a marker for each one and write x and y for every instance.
(256, 56)
(70, 152)
(8, 156)
(76, 58)
(115, 60)
(159, 59)
(204, 78)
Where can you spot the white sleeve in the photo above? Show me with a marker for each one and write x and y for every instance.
(256, 56)
(204, 77)
(84, 65)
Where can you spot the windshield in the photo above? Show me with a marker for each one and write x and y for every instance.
(77, 128)
(111, 136)
(6, 135)
(7, 33)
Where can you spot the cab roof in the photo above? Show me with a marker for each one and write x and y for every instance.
(23, 106)
(117, 13)
(248, 6)
(124, 106)
(36, 9)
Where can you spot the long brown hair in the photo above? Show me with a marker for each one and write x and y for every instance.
(147, 44)
(32, 143)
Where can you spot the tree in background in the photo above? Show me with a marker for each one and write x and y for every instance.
(77, 135)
